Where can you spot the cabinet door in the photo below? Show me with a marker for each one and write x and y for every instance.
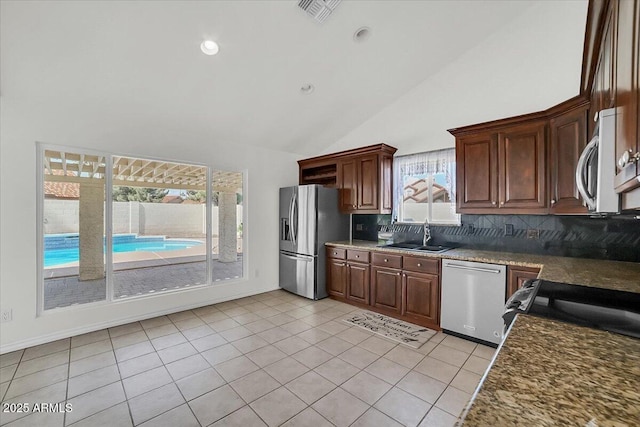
(421, 297)
(386, 289)
(568, 139)
(521, 162)
(358, 277)
(386, 184)
(626, 92)
(348, 184)
(477, 172)
(368, 183)
(336, 277)
(516, 277)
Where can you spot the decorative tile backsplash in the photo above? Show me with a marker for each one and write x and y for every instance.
(613, 238)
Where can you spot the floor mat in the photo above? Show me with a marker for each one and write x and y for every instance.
(394, 329)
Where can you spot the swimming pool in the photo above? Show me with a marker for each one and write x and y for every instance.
(63, 248)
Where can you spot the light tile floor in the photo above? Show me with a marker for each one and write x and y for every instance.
(269, 359)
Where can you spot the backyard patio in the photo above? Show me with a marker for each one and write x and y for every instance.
(67, 291)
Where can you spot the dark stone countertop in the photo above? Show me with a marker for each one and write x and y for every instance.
(549, 373)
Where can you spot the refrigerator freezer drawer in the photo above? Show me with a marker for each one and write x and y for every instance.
(298, 274)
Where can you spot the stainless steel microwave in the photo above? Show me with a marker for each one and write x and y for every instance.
(596, 168)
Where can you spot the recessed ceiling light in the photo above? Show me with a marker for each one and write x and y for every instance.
(209, 47)
(308, 88)
(362, 34)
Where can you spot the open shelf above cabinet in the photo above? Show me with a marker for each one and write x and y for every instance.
(363, 176)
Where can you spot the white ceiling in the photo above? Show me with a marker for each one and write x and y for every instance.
(132, 65)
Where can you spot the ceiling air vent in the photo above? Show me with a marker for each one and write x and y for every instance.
(318, 9)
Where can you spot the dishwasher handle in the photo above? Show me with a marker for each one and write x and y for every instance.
(464, 267)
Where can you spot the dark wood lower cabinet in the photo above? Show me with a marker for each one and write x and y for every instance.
(402, 286)
(336, 277)
(421, 298)
(358, 279)
(516, 277)
(386, 289)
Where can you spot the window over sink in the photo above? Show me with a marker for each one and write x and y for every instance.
(424, 187)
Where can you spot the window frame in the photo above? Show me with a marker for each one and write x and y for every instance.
(399, 208)
(41, 147)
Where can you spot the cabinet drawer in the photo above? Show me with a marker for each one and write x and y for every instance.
(386, 260)
(421, 265)
(336, 253)
(358, 256)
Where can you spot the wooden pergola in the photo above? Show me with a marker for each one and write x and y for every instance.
(89, 172)
(61, 166)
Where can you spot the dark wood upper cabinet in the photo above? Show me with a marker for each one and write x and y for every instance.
(567, 140)
(522, 166)
(502, 169)
(368, 182)
(348, 184)
(477, 172)
(363, 176)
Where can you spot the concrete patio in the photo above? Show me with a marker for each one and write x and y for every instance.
(67, 291)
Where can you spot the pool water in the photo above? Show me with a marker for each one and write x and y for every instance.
(63, 248)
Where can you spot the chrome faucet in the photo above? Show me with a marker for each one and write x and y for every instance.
(426, 232)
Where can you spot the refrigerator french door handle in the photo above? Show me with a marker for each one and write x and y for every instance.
(291, 219)
(294, 222)
(581, 173)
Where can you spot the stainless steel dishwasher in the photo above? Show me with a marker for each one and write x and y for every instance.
(473, 299)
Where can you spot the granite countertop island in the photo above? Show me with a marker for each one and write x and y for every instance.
(549, 373)
(617, 275)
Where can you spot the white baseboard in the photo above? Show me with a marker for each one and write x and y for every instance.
(43, 339)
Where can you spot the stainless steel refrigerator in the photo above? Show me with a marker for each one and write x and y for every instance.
(309, 217)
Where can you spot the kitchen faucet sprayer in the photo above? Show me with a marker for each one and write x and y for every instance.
(426, 232)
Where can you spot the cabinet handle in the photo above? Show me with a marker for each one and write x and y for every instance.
(419, 264)
(501, 203)
(357, 256)
(354, 206)
(398, 274)
(386, 260)
(335, 253)
(627, 158)
(553, 201)
(493, 203)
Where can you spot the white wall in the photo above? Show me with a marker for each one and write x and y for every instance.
(27, 120)
(527, 66)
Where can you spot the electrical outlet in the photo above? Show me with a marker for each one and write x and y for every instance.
(508, 229)
(7, 315)
(533, 234)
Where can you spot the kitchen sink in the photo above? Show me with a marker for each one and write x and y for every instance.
(417, 247)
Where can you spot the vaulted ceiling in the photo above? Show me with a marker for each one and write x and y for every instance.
(138, 64)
